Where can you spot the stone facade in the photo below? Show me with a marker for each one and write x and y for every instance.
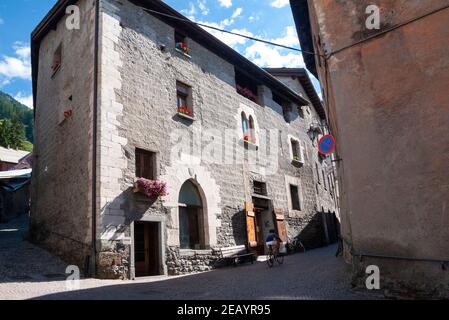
(138, 71)
(62, 167)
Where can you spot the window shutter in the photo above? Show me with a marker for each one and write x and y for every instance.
(280, 221)
(251, 225)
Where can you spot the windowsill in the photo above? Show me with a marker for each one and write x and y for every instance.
(55, 71)
(185, 116)
(297, 162)
(249, 145)
(294, 213)
(193, 252)
(183, 53)
(260, 196)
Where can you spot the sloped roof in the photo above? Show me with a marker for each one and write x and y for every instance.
(300, 10)
(192, 30)
(303, 77)
(13, 174)
(11, 155)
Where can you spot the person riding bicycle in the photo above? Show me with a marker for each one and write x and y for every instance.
(273, 240)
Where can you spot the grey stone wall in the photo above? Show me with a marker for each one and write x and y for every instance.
(147, 94)
(61, 183)
(137, 109)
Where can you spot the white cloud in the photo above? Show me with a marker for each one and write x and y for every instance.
(25, 99)
(18, 66)
(225, 3)
(191, 11)
(279, 3)
(265, 55)
(2, 21)
(237, 13)
(203, 7)
(229, 39)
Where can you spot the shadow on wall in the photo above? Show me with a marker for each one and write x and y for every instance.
(239, 227)
(313, 235)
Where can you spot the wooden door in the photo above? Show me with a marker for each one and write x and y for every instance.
(251, 225)
(139, 249)
(259, 233)
(146, 249)
(280, 224)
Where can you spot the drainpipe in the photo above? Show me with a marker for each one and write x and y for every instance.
(444, 263)
(94, 143)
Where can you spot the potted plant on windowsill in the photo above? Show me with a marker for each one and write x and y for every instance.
(186, 111)
(247, 93)
(152, 189)
(182, 47)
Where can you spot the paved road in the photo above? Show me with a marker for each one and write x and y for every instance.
(27, 272)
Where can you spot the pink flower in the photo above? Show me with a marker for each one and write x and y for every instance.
(152, 188)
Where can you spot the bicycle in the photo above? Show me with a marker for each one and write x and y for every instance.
(274, 255)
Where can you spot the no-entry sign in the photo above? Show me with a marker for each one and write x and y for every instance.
(326, 144)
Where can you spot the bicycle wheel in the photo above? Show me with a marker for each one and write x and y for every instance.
(270, 260)
(280, 258)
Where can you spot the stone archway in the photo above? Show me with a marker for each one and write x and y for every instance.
(209, 192)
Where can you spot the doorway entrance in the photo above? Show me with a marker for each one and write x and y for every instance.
(264, 222)
(146, 249)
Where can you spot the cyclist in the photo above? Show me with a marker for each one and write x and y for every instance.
(273, 240)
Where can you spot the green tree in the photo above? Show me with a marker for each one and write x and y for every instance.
(5, 130)
(17, 137)
(12, 133)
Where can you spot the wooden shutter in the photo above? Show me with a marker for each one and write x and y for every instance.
(280, 223)
(250, 225)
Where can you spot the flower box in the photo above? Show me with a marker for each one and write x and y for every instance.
(186, 111)
(183, 47)
(247, 93)
(151, 188)
(247, 138)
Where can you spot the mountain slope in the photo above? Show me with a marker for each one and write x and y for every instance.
(9, 106)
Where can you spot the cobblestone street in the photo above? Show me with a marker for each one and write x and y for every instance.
(27, 272)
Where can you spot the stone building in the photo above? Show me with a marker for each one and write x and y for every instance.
(386, 90)
(136, 94)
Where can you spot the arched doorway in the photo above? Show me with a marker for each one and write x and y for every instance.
(191, 218)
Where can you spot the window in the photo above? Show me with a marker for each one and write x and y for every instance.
(145, 164)
(294, 196)
(246, 86)
(318, 173)
(296, 150)
(57, 59)
(260, 188)
(252, 130)
(191, 222)
(181, 42)
(245, 125)
(248, 128)
(184, 99)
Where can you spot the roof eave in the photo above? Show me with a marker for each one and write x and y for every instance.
(300, 10)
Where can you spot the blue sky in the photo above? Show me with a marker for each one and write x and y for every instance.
(268, 19)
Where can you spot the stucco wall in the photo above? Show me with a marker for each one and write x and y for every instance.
(60, 214)
(389, 109)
